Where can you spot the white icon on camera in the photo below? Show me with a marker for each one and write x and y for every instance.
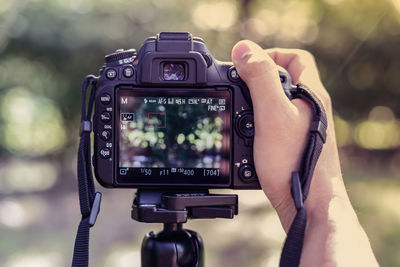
(123, 171)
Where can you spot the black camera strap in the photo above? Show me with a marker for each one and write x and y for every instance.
(90, 200)
(301, 180)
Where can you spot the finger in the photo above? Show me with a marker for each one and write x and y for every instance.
(300, 64)
(260, 73)
(296, 61)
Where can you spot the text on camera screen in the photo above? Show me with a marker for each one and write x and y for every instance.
(176, 134)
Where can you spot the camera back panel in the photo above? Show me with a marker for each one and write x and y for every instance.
(171, 116)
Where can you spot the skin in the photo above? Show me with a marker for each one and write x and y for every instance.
(334, 236)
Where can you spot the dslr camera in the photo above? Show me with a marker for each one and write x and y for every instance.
(172, 116)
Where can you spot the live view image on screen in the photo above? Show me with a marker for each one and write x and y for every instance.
(176, 133)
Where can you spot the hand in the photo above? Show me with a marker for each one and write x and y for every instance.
(281, 132)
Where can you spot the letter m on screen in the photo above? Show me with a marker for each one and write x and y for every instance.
(124, 100)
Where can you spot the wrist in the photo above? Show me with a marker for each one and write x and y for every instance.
(333, 236)
(325, 197)
(336, 236)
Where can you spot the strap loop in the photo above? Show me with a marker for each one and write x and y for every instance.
(320, 128)
(86, 127)
(94, 212)
(296, 190)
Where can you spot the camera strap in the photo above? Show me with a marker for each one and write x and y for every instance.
(89, 200)
(301, 180)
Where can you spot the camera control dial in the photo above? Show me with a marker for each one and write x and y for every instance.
(245, 124)
(121, 56)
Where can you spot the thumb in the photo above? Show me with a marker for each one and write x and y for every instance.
(260, 73)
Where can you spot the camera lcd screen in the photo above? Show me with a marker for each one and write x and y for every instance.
(174, 137)
(173, 71)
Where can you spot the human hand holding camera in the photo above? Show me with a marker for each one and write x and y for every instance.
(333, 235)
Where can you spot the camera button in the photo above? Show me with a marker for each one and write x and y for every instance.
(105, 99)
(105, 135)
(128, 72)
(233, 75)
(247, 173)
(105, 153)
(111, 74)
(105, 117)
(245, 125)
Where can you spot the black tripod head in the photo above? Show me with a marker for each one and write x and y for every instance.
(175, 246)
(172, 206)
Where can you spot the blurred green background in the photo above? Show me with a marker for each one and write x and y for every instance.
(48, 46)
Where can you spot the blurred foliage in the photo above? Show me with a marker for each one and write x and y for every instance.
(48, 46)
(196, 142)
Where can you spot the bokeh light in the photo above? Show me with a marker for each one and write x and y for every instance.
(362, 75)
(123, 257)
(47, 47)
(396, 4)
(12, 214)
(35, 259)
(380, 131)
(214, 15)
(343, 132)
(27, 176)
(33, 125)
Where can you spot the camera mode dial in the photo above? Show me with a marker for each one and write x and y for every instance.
(121, 56)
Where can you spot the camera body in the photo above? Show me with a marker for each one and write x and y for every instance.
(172, 116)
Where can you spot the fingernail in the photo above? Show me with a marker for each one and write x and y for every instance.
(241, 51)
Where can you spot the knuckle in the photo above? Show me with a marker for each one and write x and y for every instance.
(303, 58)
(257, 65)
(304, 55)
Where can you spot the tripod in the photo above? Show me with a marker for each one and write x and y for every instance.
(175, 246)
